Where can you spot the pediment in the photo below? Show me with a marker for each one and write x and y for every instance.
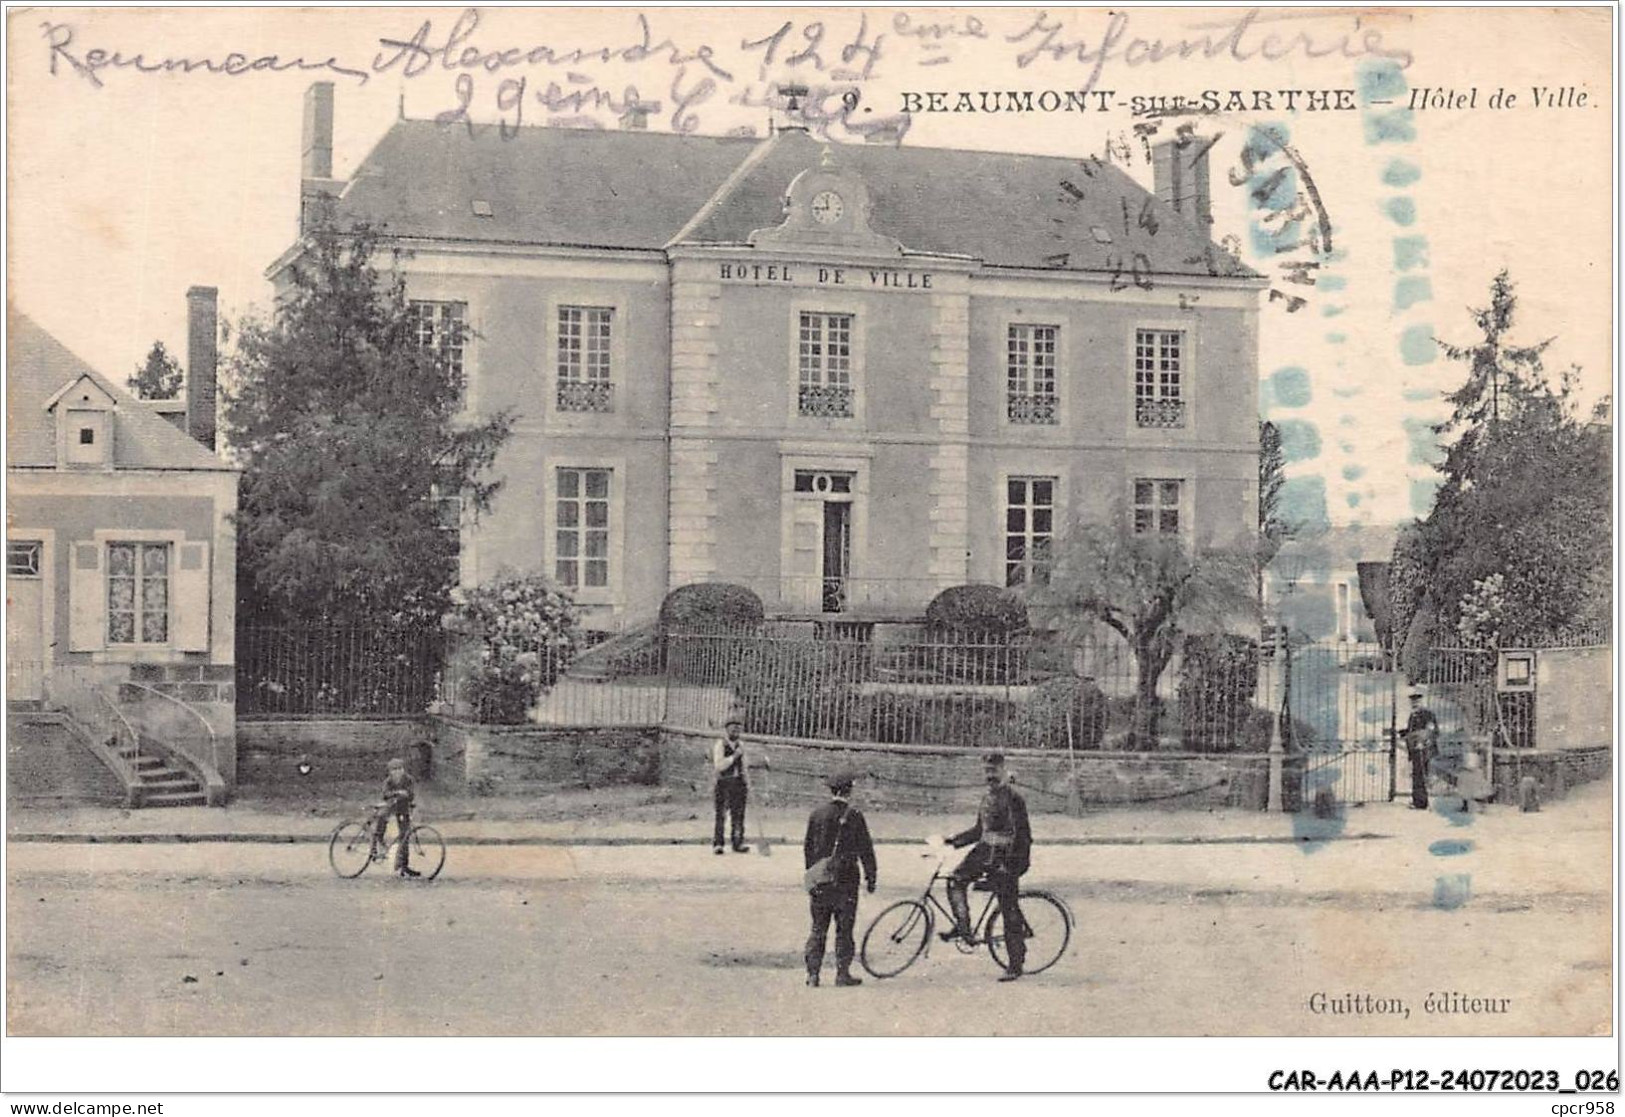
(828, 208)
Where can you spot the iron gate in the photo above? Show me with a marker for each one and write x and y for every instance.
(1344, 715)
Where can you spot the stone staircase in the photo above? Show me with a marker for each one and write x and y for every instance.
(160, 783)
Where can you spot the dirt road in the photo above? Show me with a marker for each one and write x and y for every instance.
(244, 939)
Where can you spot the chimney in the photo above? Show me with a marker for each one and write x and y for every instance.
(202, 326)
(636, 116)
(316, 185)
(1179, 170)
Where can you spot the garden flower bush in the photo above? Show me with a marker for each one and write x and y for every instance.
(527, 634)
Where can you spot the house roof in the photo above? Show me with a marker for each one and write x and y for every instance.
(38, 367)
(640, 190)
(1341, 547)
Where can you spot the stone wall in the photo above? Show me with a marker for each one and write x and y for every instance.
(914, 777)
(1554, 770)
(340, 751)
(506, 758)
(445, 752)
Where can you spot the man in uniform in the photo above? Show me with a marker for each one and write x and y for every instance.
(1001, 849)
(837, 823)
(1421, 739)
(728, 762)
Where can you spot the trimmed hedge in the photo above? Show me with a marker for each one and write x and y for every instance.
(979, 610)
(711, 606)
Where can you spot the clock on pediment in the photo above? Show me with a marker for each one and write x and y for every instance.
(827, 205)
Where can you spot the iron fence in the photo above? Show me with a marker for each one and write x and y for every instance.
(314, 671)
(1464, 697)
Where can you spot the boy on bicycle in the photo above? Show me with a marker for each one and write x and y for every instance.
(399, 794)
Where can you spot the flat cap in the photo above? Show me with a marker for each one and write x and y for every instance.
(840, 778)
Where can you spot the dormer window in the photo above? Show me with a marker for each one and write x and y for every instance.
(83, 411)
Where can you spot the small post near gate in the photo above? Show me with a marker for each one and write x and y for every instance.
(1277, 772)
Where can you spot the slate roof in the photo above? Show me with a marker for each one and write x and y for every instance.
(639, 190)
(555, 186)
(1341, 546)
(38, 366)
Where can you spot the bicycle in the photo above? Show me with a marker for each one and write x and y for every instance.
(902, 932)
(354, 845)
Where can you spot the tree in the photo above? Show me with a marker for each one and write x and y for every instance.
(1149, 589)
(1273, 529)
(1502, 379)
(158, 377)
(1522, 521)
(347, 427)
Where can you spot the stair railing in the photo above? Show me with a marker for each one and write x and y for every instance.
(185, 731)
(82, 697)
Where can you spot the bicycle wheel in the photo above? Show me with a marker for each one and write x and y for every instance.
(428, 851)
(895, 938)
(1049, 929)
(349, 850)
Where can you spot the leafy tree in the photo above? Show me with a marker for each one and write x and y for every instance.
(158, 377)
(1150, 589)
(1522, 521)
(347, 428)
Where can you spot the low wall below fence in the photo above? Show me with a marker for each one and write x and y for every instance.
(1554, 770)
(917, 777)
(502, 759)
(339, 751)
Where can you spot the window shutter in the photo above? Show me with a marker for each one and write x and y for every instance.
(87, 599)
(191, 598)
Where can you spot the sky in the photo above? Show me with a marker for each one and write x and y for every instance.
(130, 181)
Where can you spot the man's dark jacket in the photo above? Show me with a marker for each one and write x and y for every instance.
(856, 846)
(1001, 824)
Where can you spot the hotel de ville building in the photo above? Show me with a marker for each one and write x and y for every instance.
(845, 376)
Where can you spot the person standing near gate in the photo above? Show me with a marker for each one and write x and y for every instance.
(1001, 850)
(728, 763)
(1421, 740)
(837, 843)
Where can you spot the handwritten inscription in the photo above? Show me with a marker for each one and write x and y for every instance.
(802, 275)
(497, 76)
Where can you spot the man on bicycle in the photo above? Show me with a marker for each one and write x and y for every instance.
(1001, 849)
(399, 792)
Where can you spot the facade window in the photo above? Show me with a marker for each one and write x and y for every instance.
(441, 328)
(825, 366)
(584, 364)
(1029, 530)
(138, 593)
(1156, 505)
(1030, 374)
(22, 559)
(1159, 378)
(581, 523)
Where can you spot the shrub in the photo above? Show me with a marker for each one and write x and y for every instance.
(709, 606)
(1217, 681)
(981, 610)
(1043, 722)
(527, 635)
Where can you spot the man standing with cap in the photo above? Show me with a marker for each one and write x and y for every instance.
(837, 831)
(1002, 851)
(728, 762)
(1421, 739)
